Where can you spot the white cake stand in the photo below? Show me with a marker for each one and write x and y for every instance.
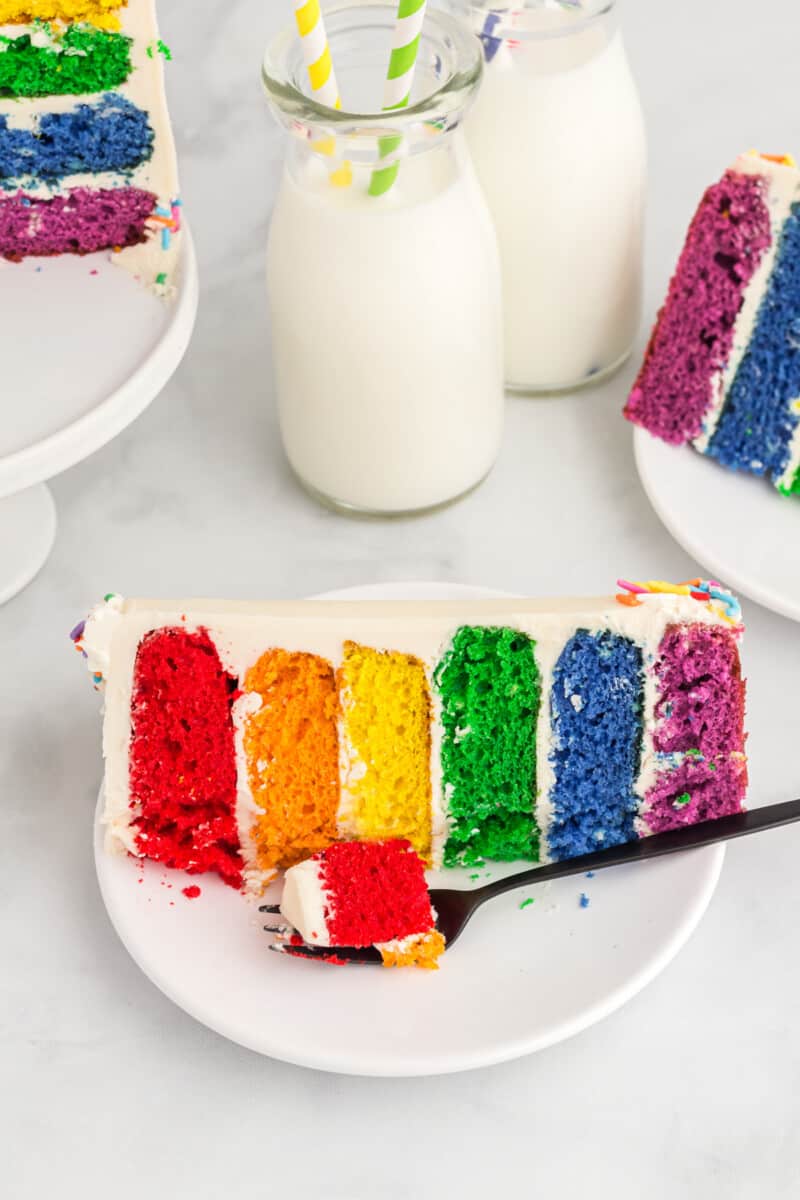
(85, 349)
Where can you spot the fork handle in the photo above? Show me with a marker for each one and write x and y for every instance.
(689, 837)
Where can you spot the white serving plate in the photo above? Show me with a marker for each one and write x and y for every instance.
(738, 526)
(518, 980)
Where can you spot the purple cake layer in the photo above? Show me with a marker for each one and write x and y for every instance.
(79, 222)
(694, 332)
(697, 791)
(700, 720)
(701, 692)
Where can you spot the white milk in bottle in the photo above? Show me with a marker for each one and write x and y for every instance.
(386, 310)
(558, 141)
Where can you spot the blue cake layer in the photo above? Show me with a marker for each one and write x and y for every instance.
(111, 134)
(757, 424)
(596, 707)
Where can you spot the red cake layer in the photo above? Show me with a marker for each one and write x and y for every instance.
(377, 892)
(182, 756)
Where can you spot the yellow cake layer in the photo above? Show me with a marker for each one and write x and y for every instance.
(97, 12)
(386, 713)
(292, 749)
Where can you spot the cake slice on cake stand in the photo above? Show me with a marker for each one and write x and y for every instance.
(88, 183)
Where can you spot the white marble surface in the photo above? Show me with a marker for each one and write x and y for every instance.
(693, 1090)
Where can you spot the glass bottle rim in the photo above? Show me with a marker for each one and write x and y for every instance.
(452, 95)
(586, 12)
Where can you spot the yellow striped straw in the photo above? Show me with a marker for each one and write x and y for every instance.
(317, 53)
(321, 75)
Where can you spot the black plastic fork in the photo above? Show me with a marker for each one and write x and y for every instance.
(455, 908)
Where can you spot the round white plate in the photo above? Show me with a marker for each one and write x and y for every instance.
(518, 980)
(87, 349)
(737, 525)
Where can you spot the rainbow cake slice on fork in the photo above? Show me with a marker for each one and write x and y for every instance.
(722, 369)
(87, 160)
(245, 738)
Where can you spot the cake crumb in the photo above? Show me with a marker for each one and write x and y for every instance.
(192, 892)
(527, 903)
(584, 900)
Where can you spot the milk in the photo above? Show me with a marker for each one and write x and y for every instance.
(387, 331)
(558, 141)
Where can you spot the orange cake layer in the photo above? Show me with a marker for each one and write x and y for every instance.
(292, 750)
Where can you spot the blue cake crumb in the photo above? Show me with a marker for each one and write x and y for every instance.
(597, 700)
(111, 134)
(584, 900)
(757, 423)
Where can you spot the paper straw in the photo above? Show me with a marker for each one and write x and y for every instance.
(321, 76)
(399, 82)
(316, 52)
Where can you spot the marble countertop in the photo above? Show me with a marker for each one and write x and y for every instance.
(693, 1089)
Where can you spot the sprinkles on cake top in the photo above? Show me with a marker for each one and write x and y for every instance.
(243, 739)
(722, 369)
(87, 159)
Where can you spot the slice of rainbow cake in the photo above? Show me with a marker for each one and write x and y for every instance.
(87, 159)
(722, 369)
(243, 738)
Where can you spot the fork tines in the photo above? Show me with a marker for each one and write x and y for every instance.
(368, 956)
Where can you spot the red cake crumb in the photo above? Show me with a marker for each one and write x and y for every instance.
(378, 892)
(191, 893)
(182, 755)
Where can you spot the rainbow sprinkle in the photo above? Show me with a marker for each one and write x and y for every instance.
(704, 591)
(170, 220)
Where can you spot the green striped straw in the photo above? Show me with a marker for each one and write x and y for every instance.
(399, 81)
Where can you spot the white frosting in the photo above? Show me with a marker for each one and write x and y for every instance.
(254, 877)
(242, 631)
(144, 88)
(304, 902)
(782, 191)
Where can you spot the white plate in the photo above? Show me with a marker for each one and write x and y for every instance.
(519, 980)
(86, 350)
(737, 525)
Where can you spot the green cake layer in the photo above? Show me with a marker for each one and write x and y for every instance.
(76, 61)
(490, 689)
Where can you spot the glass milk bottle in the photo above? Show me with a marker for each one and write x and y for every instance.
(385, 309)
(558, 141)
